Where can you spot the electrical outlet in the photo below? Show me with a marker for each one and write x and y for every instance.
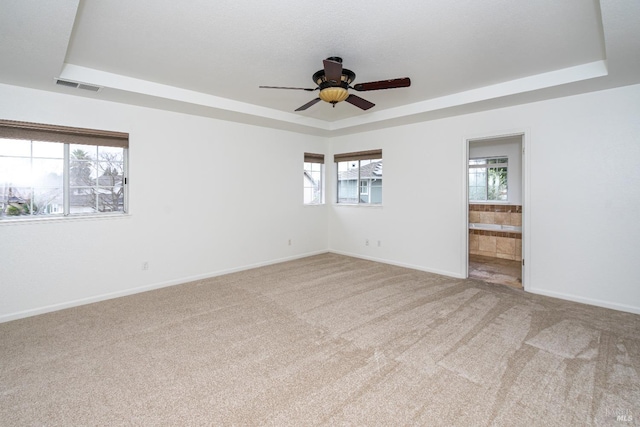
(289, 242)
(379, 243)
(366, 242)
(145, 265)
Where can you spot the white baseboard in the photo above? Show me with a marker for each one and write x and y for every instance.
(123, 293)
(583, 300)
(145, 288)
(559, 295)
(400, 264)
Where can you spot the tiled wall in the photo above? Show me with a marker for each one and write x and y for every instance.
(497, 244)
(496, 214)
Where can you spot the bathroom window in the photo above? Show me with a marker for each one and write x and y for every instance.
(488, 179)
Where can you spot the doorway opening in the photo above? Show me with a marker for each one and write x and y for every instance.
(495, 203)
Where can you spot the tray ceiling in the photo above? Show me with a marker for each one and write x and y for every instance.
(209, 58)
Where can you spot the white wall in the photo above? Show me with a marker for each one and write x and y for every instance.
(581, 225)
(206, 197)
(511, 147)
(418, 223)
(198, 210)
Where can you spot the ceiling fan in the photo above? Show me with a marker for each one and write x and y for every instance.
(334, 81)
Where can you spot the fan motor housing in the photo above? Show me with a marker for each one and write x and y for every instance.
(332, 91)
(320, 79)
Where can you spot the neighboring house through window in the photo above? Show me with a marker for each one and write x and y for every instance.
(313, 179)
(49, 171)
(488, 179)
(359, 177)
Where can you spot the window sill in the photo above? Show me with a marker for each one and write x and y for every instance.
(357, 205)
(489, 202)
(70, 218)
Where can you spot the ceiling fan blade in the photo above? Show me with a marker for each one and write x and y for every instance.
(332, 70)
(359, 102)
(294, 88)
(308, 104)
(383, 84)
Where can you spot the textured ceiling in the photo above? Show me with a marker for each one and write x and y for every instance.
(209, 58)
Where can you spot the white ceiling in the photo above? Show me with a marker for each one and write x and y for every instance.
(209, 57)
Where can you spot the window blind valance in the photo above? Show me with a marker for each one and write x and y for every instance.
(358, 155)
(71, 135)
(313, 158)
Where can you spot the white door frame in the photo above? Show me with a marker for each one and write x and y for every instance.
(526, 167)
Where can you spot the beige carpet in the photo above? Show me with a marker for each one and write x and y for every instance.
(325, 340)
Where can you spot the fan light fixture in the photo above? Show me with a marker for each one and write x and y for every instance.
(334, 82)
(333, 95)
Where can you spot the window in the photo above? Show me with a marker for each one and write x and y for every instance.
(313, 176)
(364, 187)
(53, 171)
(360, 177)
(488, 179)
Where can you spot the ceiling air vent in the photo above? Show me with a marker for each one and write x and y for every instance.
(76, 85)
(89, 87)
(66, 83)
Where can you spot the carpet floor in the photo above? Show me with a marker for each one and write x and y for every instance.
(324, 340)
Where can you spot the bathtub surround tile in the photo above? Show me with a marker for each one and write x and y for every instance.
(487, 244)
(495, 208)
(473, 242)
(487, 218)
(503, 218)
(496, 244)
(479, 208)
(505, 246)
(496, 233)
(491, 243)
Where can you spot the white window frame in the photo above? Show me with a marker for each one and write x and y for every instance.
(356, 159)
(364, 187)
(486, 166)
(311, 162)
(28, 133)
